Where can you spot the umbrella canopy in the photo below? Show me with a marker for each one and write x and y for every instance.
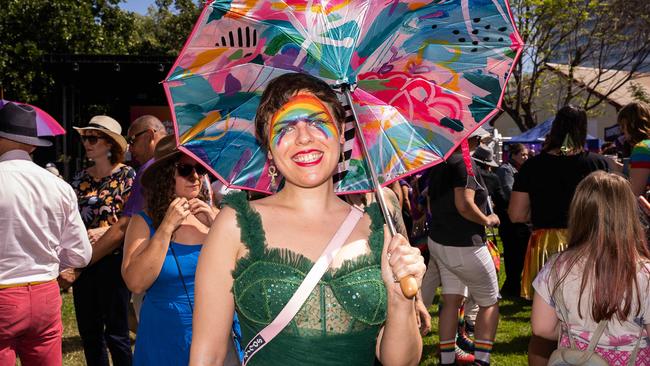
(46, 125)
(420, 75)
(538, 133)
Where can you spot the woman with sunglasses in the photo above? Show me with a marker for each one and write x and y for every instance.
(161, 251)
(257, 253)
(101, 298)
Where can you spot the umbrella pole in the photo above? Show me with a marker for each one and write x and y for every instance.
(408, 284)
(373, 175)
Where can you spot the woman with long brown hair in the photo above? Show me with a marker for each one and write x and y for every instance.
(634, 120)
(541, 195)
(604, 275)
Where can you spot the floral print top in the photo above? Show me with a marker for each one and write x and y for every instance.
(101, 201)
(618, 336)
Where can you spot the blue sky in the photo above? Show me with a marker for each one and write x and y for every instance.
(138, 6)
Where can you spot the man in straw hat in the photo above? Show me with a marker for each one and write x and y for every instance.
(42, 233)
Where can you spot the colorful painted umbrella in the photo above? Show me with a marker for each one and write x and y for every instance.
(46, 125)
(421, 76)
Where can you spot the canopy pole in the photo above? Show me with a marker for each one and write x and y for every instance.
(408, 284)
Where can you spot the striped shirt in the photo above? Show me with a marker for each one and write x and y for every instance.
(640, 158)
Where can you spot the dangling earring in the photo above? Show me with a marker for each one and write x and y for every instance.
(273, 172)
(109, 154)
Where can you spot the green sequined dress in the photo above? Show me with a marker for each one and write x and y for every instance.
(339, 322)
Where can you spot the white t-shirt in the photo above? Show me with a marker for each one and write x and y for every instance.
(620, 336)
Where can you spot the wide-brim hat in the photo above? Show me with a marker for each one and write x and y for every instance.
(18, 123)
(485, 156)
(107, 126)
(164, 151)
(480, 132)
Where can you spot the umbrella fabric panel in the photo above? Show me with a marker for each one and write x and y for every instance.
(216, 124)
(440, 66)
(395, 145)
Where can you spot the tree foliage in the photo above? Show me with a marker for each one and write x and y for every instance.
(601, 34)
(32, 29)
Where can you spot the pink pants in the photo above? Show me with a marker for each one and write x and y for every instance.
(30, 325)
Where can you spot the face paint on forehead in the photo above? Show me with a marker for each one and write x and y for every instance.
(302, 108)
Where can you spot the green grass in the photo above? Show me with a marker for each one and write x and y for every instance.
(509, 348)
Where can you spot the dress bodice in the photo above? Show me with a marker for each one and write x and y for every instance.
(169, 286)
(345, 310)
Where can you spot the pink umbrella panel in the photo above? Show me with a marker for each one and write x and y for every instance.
(46, 125)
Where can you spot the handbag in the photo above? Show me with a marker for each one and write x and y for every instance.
(292, 307)
(574, 355)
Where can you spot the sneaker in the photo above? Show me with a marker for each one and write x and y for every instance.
(463, 341)
(469, 329)
(463, 358)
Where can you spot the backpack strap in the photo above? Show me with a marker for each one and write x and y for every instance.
(593, 342)
(635, 351)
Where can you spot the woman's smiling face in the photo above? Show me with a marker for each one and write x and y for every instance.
(304, 140)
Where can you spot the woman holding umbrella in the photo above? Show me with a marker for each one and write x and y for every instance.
(258, 253)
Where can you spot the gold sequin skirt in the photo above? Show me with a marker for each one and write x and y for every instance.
(542, 244)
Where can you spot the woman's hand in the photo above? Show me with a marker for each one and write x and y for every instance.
(176, 213)
(399, 259)
(202, 211)
(95, 234)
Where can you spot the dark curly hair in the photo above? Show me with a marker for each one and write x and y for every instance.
(159, 192)
(281, 89)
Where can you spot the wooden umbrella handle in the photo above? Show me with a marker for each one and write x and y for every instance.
(409, 286)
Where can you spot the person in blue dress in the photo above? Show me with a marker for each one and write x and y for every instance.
(161, 251)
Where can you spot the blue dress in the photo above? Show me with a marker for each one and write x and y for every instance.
(165, 330)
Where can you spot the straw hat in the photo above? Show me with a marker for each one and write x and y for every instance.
(108, 126)
(164, 151)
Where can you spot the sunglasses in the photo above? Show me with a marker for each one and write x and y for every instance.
(131, 139)
(92, 140)
(185, 170)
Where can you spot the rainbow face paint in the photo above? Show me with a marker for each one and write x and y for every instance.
(302, 108)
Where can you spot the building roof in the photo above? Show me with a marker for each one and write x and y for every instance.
(588, 76)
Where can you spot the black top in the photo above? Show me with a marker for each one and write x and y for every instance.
(448, 227)
(551, 181)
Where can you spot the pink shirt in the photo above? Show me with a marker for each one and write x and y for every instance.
(41, 231)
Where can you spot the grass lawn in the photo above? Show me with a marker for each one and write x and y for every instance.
(509, 348)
